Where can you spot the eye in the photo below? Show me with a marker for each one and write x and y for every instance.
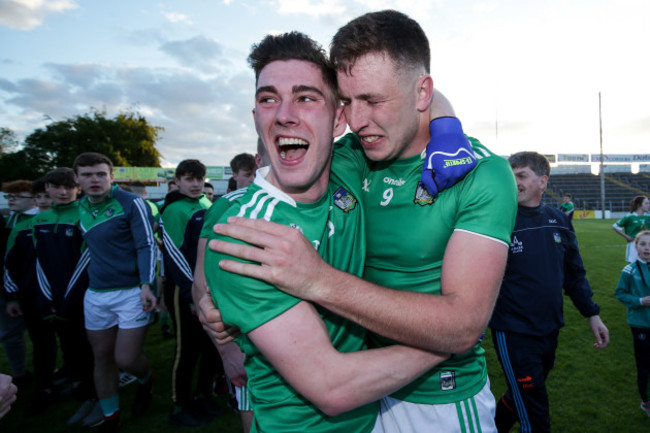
(265, 99)
(306, 98)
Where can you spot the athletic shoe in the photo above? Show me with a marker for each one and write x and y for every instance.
(126, 378)
(110, 424)
(143, 397)
(95, 417)
(60, 377)
(645, 406)
(83, 411)
(187, 417)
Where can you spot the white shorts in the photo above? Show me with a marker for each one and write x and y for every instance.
(243, 398)
(464, 416)
(123, 308)
(631, 254)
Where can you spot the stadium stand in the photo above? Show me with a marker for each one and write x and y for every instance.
(620, 188)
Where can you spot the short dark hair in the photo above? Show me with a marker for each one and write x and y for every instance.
(568, 195)
(190, 167)
(232, 184)
(209, 185)
(62, 176)
(243, 161)
(88, 159)
(38, 186)
(535, 161)
(637, 202)
(17, 186)
(387, 31)
(292, 46)
(137, 187)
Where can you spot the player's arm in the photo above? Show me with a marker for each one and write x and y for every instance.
(618, 229)
(451, 322)
(141, 224)
(298, 345)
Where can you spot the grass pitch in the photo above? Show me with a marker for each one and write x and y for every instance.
(590, 390)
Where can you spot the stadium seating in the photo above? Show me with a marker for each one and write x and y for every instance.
(620, 188)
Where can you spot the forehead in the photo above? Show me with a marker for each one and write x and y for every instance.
(371, 70)
(286, 74)
(523, 171)
(97, 168)
(644, 239)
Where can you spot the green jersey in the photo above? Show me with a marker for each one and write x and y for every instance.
(217, 209)
(407, 232)
(567, 208)
(633, 223)
(177, 214)
(333, 225)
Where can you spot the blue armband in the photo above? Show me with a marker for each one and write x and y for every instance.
(449, 155)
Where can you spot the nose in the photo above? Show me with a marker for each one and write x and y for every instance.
(286, 114)
(356, 115)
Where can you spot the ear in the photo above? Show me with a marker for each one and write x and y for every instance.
(339, 122)
(544, 181)
(424, 89)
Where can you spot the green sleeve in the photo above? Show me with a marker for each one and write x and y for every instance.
(488, 200)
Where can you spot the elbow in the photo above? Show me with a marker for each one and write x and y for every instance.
(333, 402)
(468, 340)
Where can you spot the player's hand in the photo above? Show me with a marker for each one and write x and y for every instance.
(147, 298)
(14, 309)
(600, 332)
(233, 363)
(449, 155)
(281, 255)
(8, 393)
(645, 301)
(212, 322)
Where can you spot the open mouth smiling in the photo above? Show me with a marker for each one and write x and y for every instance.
(292, 148)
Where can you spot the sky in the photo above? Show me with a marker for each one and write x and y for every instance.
(521, 75)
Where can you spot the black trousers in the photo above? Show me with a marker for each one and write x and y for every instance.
(526, 361)
(193, 348)
(641, 338)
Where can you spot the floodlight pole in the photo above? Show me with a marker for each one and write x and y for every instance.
(602, 159)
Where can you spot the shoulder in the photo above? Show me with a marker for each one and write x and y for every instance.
(629, 269)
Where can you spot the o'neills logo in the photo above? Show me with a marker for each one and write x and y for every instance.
(394, 182)
(459, 161)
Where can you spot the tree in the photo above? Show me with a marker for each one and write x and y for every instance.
(128, 140)
(8, 140)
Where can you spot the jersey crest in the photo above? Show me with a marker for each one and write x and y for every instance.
(422, 196)
(344, 200)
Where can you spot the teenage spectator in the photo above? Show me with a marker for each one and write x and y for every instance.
(243, 169)
(118, 229)
(21, 288)
(567, 206)
(633, 290)
(543, 259)
(41, 197)
(208, 191)
(633, 223)
(61, 262)
(192, 345)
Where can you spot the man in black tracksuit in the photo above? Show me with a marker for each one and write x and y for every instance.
(543, 259)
